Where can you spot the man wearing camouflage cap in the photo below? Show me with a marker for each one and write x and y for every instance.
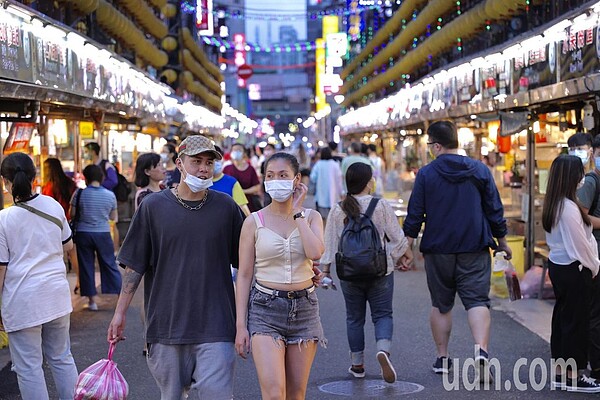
(182, 241)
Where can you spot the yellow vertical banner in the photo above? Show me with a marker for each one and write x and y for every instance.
(330, 25)
(319, 72)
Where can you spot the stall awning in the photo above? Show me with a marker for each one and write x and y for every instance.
(393, 25)
(144, 15)
(427, 16)
(465, 25)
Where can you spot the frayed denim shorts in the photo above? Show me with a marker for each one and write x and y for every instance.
(293, 321)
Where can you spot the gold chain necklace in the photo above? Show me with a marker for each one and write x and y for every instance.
(183, 203)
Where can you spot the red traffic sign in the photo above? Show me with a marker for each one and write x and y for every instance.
(245, 71)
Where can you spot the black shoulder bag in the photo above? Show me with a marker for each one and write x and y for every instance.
(75, 219)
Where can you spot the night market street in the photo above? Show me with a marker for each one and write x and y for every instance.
(413, 352)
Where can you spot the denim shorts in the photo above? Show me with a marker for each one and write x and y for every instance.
(292, 321)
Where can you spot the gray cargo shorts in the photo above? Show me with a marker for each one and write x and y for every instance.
(466, 273)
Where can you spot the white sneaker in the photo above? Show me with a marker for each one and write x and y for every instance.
(387, 369)
(92, 306)
(357, 371)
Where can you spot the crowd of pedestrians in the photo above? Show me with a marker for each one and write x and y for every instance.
(236, 211)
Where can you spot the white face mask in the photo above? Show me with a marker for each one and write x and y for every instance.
(237, 155)
(218, 167)
(280, 190)
(581, 183)
(196, 184)
(164, 157)
(583, 154)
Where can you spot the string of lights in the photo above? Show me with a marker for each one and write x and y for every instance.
(269, 67)
(225, 45)
(188, 7)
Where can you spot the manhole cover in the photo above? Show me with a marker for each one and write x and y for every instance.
(369, 388)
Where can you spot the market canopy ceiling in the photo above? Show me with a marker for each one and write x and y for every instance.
(465, 25)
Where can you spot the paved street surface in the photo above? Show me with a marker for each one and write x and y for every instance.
(412, 354)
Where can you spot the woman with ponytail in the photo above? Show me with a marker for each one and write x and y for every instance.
(378, 292)
(36, 303)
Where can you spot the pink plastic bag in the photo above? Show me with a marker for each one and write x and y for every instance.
(102, 381)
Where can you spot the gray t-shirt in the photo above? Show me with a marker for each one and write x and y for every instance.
(586, 194)
(185, 257)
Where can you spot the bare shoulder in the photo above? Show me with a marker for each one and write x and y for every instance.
(249, 223)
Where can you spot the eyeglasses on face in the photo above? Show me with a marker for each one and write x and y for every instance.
(429, 143)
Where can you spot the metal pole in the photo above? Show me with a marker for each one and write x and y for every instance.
(530, 165)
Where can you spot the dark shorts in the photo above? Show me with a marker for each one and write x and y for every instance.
(292, 321)
(465, 273)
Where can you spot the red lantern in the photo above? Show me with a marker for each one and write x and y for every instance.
(504, 144)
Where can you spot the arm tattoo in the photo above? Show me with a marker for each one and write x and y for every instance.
(131, 281)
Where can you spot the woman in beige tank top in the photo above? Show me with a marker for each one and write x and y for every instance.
(281, 321)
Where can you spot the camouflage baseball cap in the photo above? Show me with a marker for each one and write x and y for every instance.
(196, 144)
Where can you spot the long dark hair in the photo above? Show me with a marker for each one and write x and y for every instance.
(18, 169)
(291, 159)
(565, 173)
(144, 162)
(357, 177)
(62, 186)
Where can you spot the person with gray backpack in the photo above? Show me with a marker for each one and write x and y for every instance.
(365, 241)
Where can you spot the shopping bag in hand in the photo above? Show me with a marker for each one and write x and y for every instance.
(102, 381)
(512, 281)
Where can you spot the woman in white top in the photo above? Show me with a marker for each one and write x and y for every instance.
(573, 263)
(281, 320)
(36, 301)
(378, 292)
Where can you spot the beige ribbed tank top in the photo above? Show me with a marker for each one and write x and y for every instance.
(277, 259)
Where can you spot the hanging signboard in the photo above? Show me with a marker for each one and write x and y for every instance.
(19, 137)
(86, 130)
(52, 57)
(204, 18)
(50, 62)
(534, 68)
(579, 53)
(468, 85)
(15, 49)
(496, 79)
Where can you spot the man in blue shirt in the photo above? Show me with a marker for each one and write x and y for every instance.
(458, 199)
(91, 152)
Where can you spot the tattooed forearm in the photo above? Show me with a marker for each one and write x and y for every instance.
(131, 281)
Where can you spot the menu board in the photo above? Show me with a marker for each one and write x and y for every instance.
(579, 53)
(15, 50)
(534, 68)
(19, 137)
